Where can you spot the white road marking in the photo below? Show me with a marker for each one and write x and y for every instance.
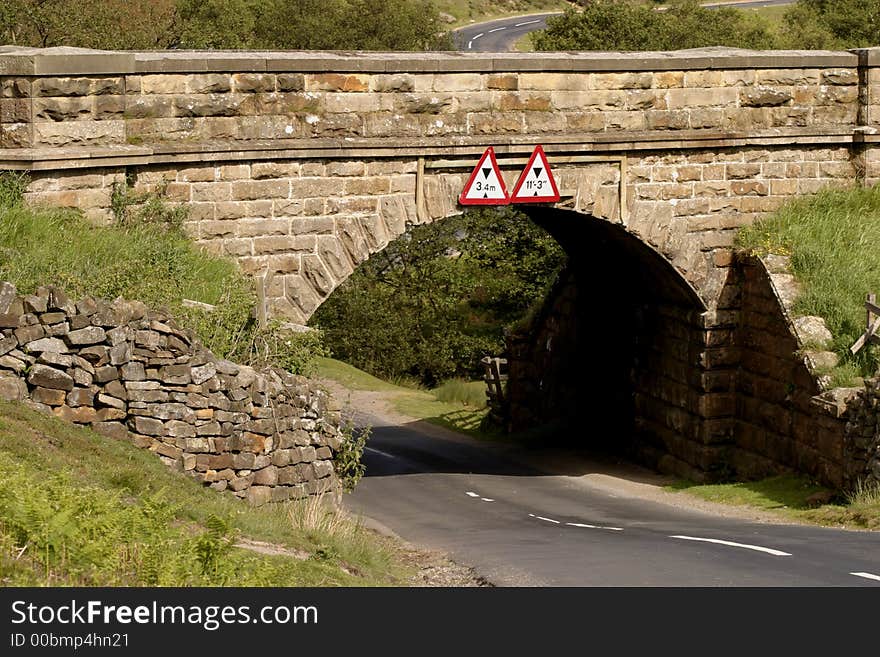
(497, 29)
(555, 522)
(381, 453)
(527, 23)
(758, 548)
(580, 524)
(486, 499)
(470, 494)
(867, 576)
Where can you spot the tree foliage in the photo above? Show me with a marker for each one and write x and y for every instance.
(437, 299)
(224, 24)
(634, 25)
(833, 24)
(627, 25)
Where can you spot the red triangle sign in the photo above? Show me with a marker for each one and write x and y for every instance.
(485, 186)
(536, 183)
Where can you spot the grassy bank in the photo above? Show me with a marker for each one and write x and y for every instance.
(77, 508)
(796, 499)
(456, 405)
(833, 240)
(143, 255)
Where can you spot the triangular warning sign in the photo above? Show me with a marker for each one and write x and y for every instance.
(485, 186)
(536, 183)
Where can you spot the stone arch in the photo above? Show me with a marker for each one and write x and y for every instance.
(430, 193)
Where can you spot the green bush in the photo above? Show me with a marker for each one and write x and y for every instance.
(626, 25)
(348, 460)
(224, 24)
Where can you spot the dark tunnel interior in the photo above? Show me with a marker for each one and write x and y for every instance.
(601, 353)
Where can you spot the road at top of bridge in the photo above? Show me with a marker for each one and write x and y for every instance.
(502, 34)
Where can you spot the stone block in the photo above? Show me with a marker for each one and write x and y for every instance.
(179, 429)
(49, 377)
(322, 469)
(52, 345)
(107, 414)
(259, 495)
(106, 373)
(79, 415)
(87, 336)
(80, 397)
(147, 426)
(26, 334)
(115, 430)
(48, 396)
(267, 476)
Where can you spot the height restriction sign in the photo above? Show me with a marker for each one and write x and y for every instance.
(536, 183)
(485, 186)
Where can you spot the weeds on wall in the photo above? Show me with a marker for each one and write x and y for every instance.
(349, 457)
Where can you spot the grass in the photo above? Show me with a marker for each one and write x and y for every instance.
(77, 508)
(833, 239)
(351, 377)
(788, 497)
(148, 262)
(457, 405)
(451, 415)
(143, 257)
(468, 393)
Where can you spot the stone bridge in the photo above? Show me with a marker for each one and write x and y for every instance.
(302, 164)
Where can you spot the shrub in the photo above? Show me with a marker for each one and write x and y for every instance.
(348, 461)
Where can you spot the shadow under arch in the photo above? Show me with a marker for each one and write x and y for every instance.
(584, 237)
(611, 360)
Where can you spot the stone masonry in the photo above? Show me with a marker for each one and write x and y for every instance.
(301, 165)
(133, 374)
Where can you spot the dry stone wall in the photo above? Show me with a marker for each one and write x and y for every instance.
(131, 373)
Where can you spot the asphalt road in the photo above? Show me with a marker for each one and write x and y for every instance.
(518, 526)
(501, 35)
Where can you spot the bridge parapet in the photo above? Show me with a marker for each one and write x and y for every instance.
(66, 97)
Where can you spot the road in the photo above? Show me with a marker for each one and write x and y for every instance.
(501, 35)
(520, 526)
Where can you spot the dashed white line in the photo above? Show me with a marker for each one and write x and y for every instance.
(582, 525)
(867, 576)
(757, 548)
(487, 499)
(497, 29)
(381, 453)
(471, 42)
(555, 522)
(471, 494)
(527, 23)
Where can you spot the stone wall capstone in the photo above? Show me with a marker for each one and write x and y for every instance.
(133, 374)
